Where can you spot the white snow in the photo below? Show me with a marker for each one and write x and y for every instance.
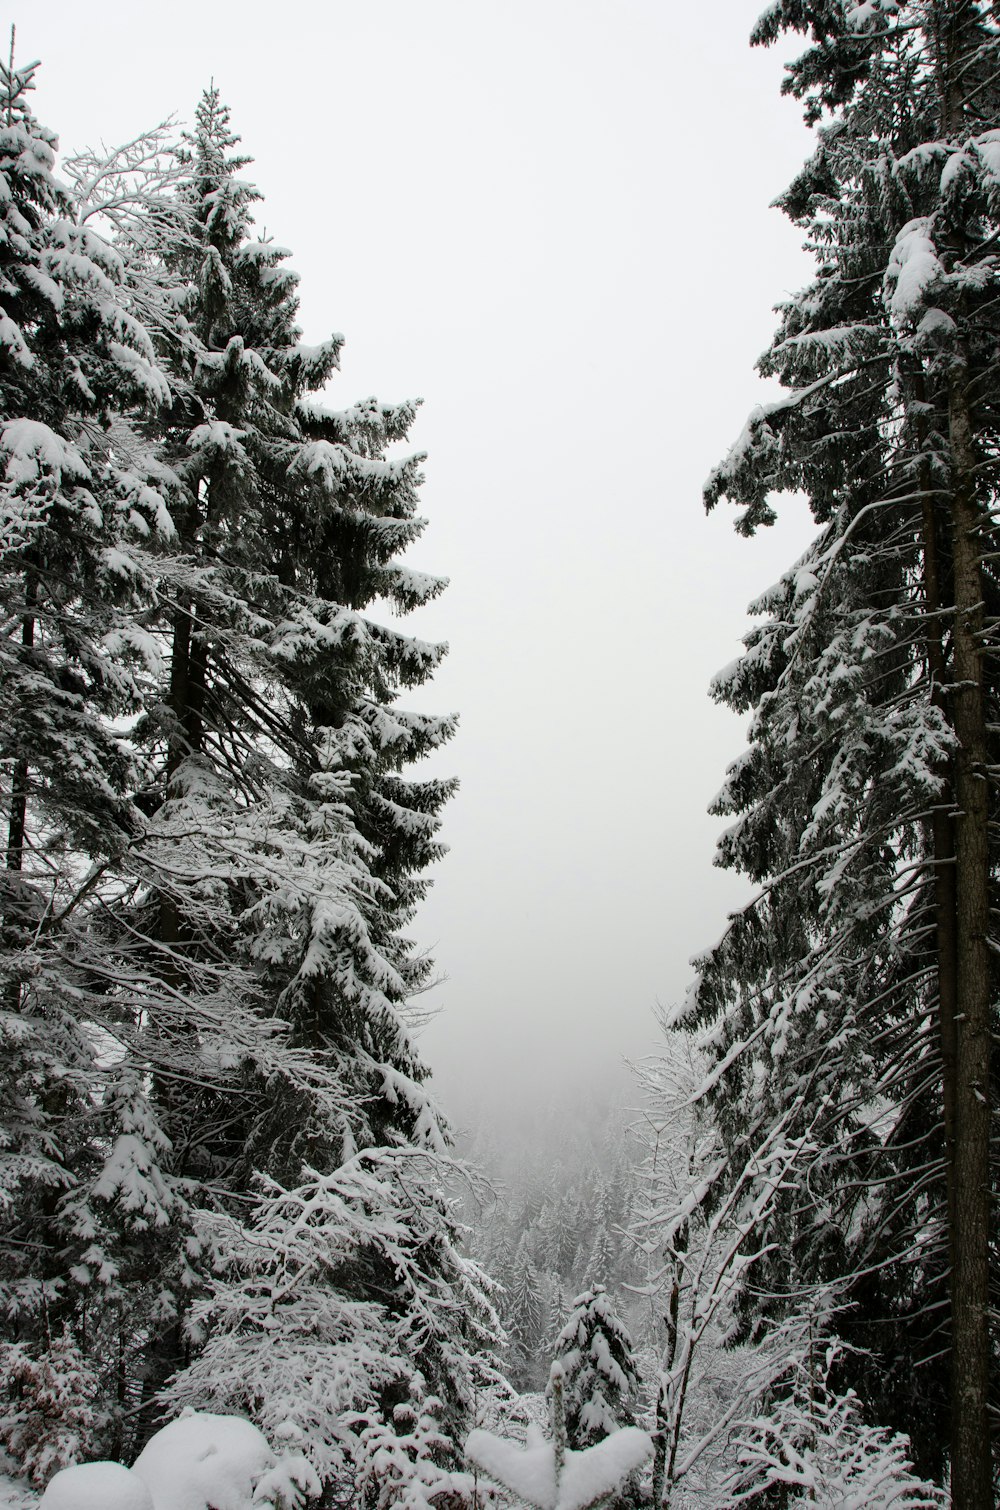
(31, 447)
(988, 147)
(600, 1470)
(204, 1462)
(97, 1486)
(912, 271)
(14, 1493)
(530, 1471)
(860, 12)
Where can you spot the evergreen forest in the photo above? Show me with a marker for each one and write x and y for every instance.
(246, 1257)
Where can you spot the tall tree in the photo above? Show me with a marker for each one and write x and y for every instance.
(214, 849)
(77, 372)
(856, 990)
(281, 726)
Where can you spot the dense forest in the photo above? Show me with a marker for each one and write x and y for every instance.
(236, 1228)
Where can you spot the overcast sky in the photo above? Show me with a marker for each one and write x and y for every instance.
(550, 219)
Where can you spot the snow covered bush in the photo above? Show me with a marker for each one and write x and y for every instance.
(549, 1475)
(97, 1486)
(817, 1446)
(209, 1462)
(402, 1462)
(48, 1418)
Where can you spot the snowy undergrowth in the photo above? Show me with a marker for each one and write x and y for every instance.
(198, 1462)
(14, 1495)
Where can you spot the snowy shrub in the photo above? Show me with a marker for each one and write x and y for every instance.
(402, 1462)
(816, 1445)
(210, 1462)
(48, 1418)
(288, 1485)
(548, 1475)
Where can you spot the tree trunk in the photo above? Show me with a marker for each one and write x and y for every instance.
(971, 1466)
(17, 824)
(942, 823)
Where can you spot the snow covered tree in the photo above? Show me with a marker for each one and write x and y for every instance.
(601, 1385)
(214, 849)
(851, 1001)
(816, 1446)
(78, 507)
(50, 1416)
(523, 1320)
(700, 1227)
(285, 839)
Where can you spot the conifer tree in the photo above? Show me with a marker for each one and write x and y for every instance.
(79, 504)
(204, 921)
(523, 1320)
(850, 1003)
(601, 1384)
(282, 726)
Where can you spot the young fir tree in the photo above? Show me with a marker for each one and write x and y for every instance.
(850, 1003)
(523, 1320)
(601, 1384)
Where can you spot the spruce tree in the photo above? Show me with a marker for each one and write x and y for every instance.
(523, 1320)
(80, 506)
(601, 1384)
(214, 846)
(282, 741)
(849, 1005)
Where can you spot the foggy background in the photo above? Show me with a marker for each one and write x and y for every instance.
(551, 220)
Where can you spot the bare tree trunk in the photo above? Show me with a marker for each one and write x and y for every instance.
(971, 1466)
(956, 35)
(17, 829)
(942, 825)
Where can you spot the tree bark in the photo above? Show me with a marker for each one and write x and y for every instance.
(942, 822)
(17, 825)
(971, 1466)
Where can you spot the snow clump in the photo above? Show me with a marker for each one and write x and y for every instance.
(96, 1486)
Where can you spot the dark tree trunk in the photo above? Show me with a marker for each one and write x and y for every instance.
(971, 1452)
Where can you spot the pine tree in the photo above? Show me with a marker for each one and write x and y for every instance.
(283, 741)
(595, 1351)
(204, 920)
(849, 1004)
(523, 1319)
(80, 505)
(601, 1263)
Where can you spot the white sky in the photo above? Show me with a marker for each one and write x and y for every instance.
(551, 220)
